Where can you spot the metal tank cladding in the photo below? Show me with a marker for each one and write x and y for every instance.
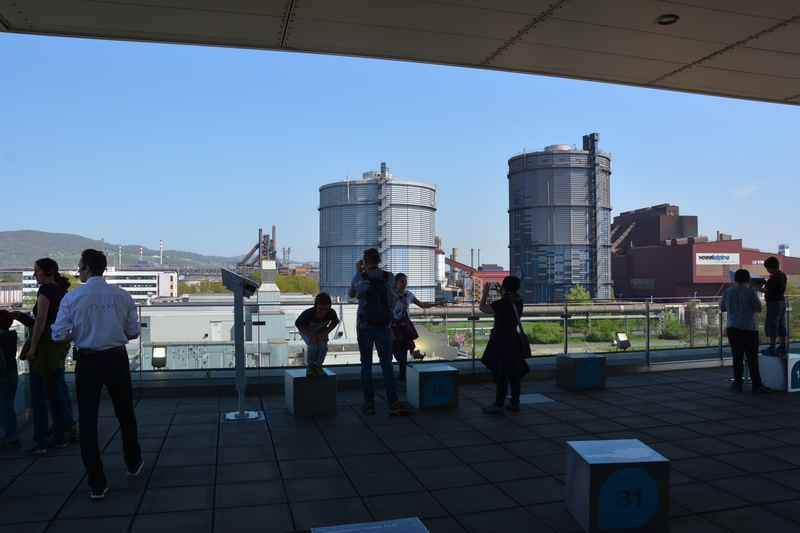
(559, 221)
(378, 211)
(348, 224)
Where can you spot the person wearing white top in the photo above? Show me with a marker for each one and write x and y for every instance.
(100, 319)
(403, 331)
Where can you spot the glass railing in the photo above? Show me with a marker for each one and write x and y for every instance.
(196, 339)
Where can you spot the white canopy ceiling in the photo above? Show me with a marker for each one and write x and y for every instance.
(739, 48)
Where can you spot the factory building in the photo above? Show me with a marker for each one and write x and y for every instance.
(559, 221)
(658, 253)
(142, 285)
(396, 216)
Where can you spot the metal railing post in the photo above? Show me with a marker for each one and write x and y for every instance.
(788, 324)
(566, 328)
(721, 352)
(474, 320)
(647, 333)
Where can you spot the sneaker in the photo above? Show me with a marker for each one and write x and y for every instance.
(493, 409)
(512, 407)
(736, 387)
(368, 408)
(38, 450)
(98, 494)
(136, 471)
(761, 389)
(400, 408)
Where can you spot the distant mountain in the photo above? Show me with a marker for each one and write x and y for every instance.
(22, 248)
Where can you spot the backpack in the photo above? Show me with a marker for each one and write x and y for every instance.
(377, 311)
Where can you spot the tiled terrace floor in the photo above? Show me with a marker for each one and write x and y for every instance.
(735, 463)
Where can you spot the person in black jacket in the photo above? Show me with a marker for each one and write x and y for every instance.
(504, 354)
(8, 381)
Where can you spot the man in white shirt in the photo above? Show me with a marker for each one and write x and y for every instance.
(100, 319)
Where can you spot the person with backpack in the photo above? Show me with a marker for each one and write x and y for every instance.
(374, 288)
(505, 353)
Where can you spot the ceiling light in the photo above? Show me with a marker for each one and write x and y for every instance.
(667, 19)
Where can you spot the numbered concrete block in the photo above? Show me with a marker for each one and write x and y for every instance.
(617, 485)
(581, 371)
(310, 395)
(404, 525)
(780, 373)
(430, 386)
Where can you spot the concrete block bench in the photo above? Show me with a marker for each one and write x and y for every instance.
(780, 373)
(430, 386)
(310, 396)
(617, 485)
(578, 372)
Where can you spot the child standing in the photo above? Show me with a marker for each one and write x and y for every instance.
(8, 381)
(315, 324)
(774, 295)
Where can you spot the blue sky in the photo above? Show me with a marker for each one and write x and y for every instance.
(200, 146)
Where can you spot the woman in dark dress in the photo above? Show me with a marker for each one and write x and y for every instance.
(46, 359)
(504, 354)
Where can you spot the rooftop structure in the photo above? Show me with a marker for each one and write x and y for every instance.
(142, 285)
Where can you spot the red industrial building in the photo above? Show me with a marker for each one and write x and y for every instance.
(682, 265)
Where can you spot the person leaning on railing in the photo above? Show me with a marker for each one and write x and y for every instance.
(742, 305)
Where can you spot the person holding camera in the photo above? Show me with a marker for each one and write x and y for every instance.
(505, 354)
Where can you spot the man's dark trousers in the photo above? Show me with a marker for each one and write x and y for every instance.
(93, 371)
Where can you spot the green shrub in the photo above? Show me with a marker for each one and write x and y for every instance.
(673, 329)
(604, 330)
(544, 333)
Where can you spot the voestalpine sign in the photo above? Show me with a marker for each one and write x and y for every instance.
(717, 258)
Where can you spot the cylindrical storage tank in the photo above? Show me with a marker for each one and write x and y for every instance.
(348, 225)
(408, 233)
(441, 269)
(559, 221)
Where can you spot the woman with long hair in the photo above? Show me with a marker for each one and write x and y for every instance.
(403, 331)
(505, 355)
(46, 359)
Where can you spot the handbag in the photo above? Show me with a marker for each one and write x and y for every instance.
(525, 343)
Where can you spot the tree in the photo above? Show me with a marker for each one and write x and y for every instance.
(577, 294)
(294, 283)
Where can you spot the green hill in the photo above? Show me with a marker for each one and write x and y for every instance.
(19, 249)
